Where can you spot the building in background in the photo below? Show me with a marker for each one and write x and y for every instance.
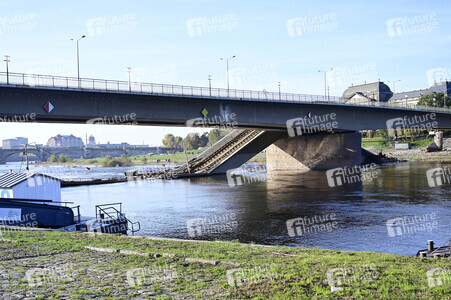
(91, 142)
(64, 141)
(380, 92)
(412, 97)
(17, 143)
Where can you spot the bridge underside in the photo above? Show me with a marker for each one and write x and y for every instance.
(284, 153)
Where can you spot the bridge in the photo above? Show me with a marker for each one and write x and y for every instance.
(300, 131)
(44, 153)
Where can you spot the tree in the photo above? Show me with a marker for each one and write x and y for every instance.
(144, 160)
(171, 141)
(53, 158)
(62, 158)
(178, 142)
(168, 141)
(215, 135)
(192, 141)
(68, 158)
(204, 139)
(434, 100)
(384, 134)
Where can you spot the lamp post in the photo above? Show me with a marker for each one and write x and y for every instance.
(7, 59)
(227, 60)
(78, 59)
(444, 94)
(129, 71)
(209, 83)
(325, 82)
(394, 85)
(279, 91)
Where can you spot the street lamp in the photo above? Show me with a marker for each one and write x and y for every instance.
(394, 85)
(227, 59)
(325, 82)
(6, 58)
(444, 94)
(209, 83)
(129, 71)
(78, 59)
(279, 91)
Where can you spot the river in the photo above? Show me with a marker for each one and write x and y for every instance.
(352, 216)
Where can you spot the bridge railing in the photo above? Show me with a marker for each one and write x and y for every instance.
(35, 80)
(105, 85)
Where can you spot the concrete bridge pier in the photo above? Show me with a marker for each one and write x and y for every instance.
(314, 152)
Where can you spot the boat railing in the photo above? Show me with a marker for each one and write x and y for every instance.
(77, 218)
(111, 211)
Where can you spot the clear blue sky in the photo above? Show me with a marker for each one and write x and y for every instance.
(165, 42)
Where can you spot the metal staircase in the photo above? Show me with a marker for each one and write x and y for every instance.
(219, 153)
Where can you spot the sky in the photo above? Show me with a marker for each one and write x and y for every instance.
(181, 42)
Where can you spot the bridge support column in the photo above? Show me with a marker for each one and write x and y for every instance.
(314, 152)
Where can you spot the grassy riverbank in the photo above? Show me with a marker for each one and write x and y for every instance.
(58, 265)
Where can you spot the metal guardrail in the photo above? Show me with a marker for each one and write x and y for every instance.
(110, 210)
(105, 85)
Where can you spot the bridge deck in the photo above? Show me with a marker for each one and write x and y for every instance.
(110, 86)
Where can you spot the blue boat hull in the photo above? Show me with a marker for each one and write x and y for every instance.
(36, 214)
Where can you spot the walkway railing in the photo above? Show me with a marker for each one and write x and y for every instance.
(105, 85)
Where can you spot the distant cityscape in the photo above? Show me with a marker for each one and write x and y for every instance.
(65, 141)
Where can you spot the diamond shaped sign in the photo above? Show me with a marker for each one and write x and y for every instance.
(48, 107)
(204, 112)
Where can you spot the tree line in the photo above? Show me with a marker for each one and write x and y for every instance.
(194, 141)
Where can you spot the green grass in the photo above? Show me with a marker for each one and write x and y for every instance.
(271, 272)
(380, 143)
(377, 143)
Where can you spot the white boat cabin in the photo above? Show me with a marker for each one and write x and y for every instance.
(33, 186)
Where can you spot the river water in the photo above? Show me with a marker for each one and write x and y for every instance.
(352, 216)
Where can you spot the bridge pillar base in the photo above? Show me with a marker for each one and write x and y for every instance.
(314, 152)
